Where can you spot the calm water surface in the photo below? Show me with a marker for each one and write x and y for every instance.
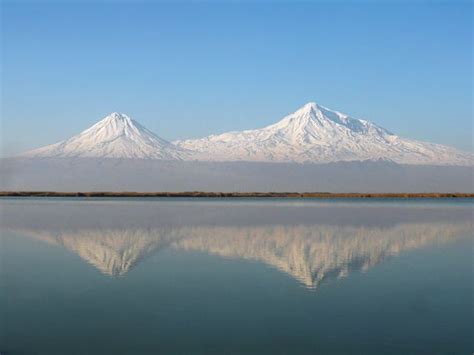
(170, 276)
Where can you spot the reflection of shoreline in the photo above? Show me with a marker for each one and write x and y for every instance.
(309, 253)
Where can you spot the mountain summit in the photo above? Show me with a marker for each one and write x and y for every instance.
(115, 136)
(316, 134)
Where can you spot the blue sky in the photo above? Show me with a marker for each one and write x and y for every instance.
(189, 69)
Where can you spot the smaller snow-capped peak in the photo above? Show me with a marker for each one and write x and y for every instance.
(115, 136)
(117, 119)
(117, 116)
(119, 124)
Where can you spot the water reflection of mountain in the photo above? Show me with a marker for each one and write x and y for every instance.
(309, 253)
(312, 254)
(113, 252)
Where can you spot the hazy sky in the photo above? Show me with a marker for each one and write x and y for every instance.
(190, 69)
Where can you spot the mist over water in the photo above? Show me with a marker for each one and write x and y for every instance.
(87, 174)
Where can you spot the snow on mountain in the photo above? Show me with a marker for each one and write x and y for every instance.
(115, 136)
(312, 134)
(319, 135)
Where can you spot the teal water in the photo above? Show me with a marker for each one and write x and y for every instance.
(148, 276)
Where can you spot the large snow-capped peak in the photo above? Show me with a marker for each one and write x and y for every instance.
(316, 134)
(310, 121)
(115, 136)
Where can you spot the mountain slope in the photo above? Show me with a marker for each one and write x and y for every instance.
(319, 135)
(116, 136)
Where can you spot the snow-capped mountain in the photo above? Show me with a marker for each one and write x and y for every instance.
(317, 134)
(312, 134)
(115, 136)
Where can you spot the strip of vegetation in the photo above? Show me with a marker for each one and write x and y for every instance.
(233, 194)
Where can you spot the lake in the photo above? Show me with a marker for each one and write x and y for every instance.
(236, 276)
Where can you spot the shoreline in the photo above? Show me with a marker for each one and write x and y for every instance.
(203, 194)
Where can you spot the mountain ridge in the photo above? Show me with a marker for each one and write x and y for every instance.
(316, 134)
(311, 134)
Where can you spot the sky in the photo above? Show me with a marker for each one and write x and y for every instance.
(189, 69)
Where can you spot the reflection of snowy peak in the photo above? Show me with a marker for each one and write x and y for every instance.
(113, 252)
(309, 253)
(312, 254)
(116, 136)
(319, 135)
